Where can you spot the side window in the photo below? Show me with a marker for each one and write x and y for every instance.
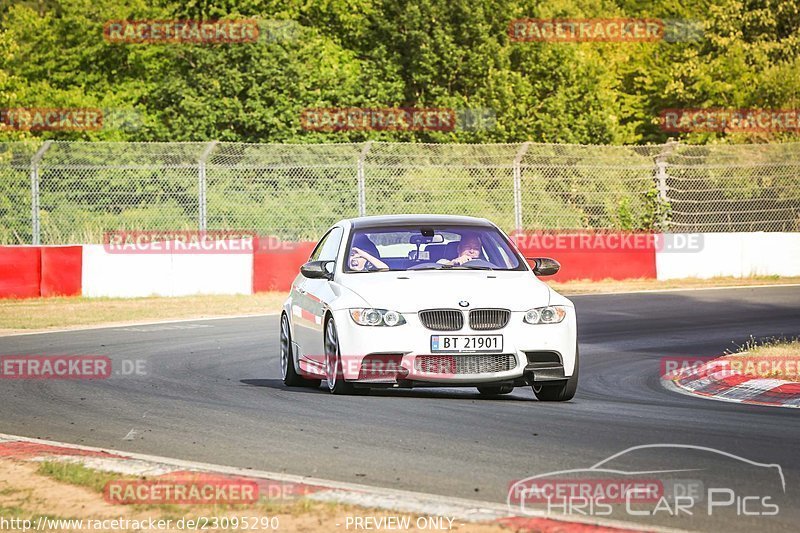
(328, 247)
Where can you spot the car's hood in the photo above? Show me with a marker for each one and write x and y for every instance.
(411, 291)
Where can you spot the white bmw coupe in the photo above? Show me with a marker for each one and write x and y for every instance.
(427, 300)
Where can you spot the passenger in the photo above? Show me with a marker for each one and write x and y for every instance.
(360, 260)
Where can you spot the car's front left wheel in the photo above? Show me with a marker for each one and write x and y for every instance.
(333, 362)
(288, 372)
(560, 392)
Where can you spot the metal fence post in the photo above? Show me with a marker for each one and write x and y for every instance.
(36, 229)
(518, 185)
(661, 177)
(201, 185)
(362, 186)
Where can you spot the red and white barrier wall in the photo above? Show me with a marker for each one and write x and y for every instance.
(90, 270)
(739, 255)
(164, 274)
(32, 271)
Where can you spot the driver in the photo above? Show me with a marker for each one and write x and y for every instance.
(469, 248)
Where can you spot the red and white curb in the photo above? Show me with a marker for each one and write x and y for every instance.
(461, 510)
(716, 380)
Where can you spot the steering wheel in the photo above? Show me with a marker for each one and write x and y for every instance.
(419, 266)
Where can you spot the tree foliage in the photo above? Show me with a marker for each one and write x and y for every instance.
(397, 53)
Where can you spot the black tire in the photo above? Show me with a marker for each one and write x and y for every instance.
(333, 362)
(495, 390)
(290, 376)
(561, 392)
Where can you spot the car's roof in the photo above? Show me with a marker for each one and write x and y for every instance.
(401, 220)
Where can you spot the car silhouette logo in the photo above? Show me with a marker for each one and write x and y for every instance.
(463, 303)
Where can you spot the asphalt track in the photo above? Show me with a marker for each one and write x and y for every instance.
(213, 393)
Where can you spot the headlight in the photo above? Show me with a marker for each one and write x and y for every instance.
(552, 314)
(376, 317)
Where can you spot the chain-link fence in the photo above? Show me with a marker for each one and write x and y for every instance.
(73, 192)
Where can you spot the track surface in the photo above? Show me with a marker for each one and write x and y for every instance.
(213, 393)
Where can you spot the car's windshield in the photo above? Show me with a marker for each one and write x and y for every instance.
(430, 248)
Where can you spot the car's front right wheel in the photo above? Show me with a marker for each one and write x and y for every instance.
(560, 392)
(333, 362)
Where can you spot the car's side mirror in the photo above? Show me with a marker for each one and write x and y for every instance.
(544, 266)
(317, 270)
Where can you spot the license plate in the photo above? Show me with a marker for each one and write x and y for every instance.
(466, 343)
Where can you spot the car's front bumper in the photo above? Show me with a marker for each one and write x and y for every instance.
(543, 352)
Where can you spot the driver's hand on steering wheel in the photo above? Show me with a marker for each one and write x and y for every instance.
(460, 260)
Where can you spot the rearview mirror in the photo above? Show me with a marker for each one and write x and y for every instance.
(418, 240)
(544, 266)
(317, 270)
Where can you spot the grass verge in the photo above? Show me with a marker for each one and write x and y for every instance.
(72, 492)
(771, 359)
(32, 314)
(76, 474)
